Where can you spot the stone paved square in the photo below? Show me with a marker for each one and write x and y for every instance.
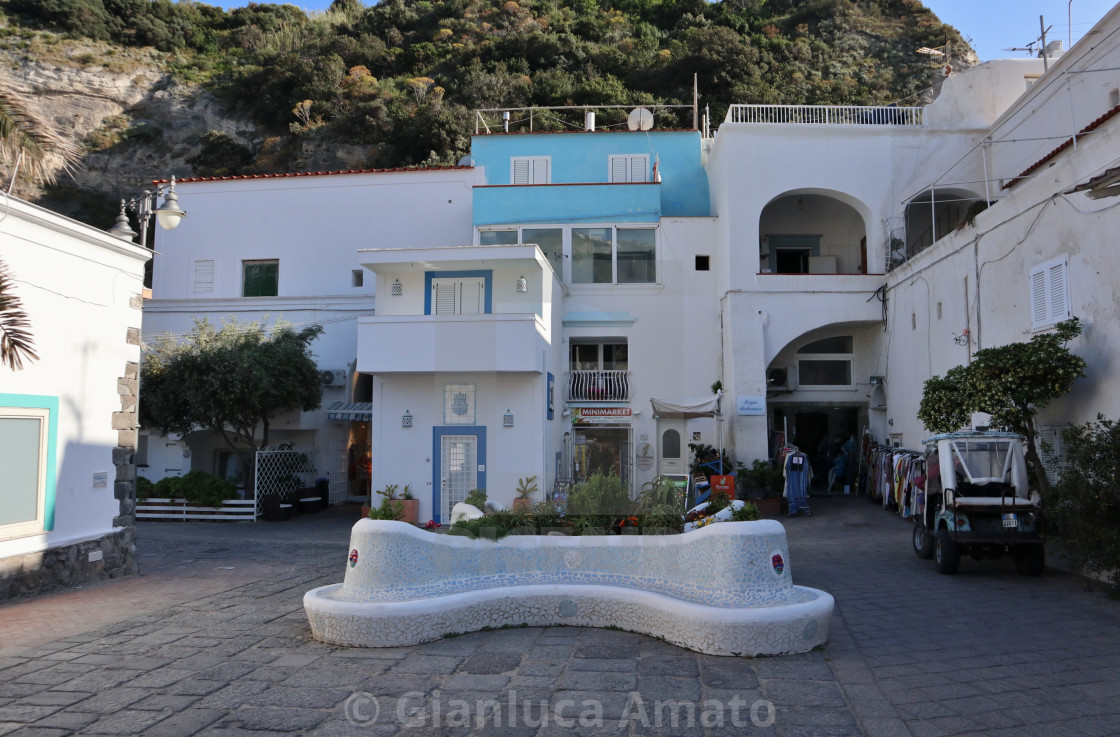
(221, 648)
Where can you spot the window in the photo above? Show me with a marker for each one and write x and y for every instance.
(637, 256)
(26, 444)
(826, 362)
(530, 170)
(260, 278)
(497, 237)
(598, 370)
(592, 261)
(203, 277)
(551, 243)
(703, 263)
(597, 255)
(458, 295)
(1049, 293)
(357, 278)
(614, 256)
(628, 168)
(1051, 451)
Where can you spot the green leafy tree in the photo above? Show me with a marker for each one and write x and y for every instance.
(1011, 383)
(230, 380)
(1086, 512)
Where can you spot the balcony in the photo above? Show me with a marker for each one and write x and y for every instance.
(451, 343)
(598, 386)
(825, 115)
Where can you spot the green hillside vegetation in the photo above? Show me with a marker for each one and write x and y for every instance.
(404, 77)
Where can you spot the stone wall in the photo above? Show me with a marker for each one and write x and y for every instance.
(111, 556)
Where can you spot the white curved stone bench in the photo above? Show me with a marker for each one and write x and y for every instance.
(725, 589)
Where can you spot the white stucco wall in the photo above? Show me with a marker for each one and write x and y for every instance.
(314, 225)
(977, 278)
(80, 288)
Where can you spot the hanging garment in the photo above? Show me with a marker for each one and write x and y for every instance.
(798, 474)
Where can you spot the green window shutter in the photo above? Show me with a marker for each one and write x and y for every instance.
(261, 278)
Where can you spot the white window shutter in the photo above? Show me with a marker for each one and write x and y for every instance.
(639, 168)
(1038, 298)
(1059, 302)
(530, 170)
(618, 169)
(1050, 448)
(1050, 298)
(443, 297)
(203, 277)
(541, 174)
(470, 302)
(451, 296)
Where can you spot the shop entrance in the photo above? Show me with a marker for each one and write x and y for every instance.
(820, 431)
(602, 450)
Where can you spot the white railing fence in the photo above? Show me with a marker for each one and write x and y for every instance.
(232, 510)
(825, 115)
(598, 386)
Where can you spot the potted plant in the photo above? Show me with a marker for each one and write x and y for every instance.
(763, 484)
(410, 506)
(525, 489)
(403, 508)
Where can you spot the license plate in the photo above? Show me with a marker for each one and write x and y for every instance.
(1011, 520)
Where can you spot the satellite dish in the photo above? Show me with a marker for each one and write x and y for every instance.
(640, 119)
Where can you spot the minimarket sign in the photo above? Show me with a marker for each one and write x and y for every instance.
(600, 415)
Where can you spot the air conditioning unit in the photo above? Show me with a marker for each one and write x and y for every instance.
(333, 377)
(780, 378)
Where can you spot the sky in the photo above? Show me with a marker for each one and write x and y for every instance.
(990, 25)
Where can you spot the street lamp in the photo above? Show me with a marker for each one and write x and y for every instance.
(167, 215)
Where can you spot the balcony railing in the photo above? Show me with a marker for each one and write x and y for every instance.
(599, 386)
(825, 115)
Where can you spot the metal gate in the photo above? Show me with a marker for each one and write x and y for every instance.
(282, 471)
(338, 471)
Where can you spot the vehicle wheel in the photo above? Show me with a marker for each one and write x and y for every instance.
(946, 552)
(1030, 560)
(923, 543)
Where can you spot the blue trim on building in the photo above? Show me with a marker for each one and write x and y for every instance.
(487, 274)
(583, 158)
(438, 433)
(36, 401)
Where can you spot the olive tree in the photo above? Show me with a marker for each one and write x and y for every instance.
(1009, 382)
(230, 380)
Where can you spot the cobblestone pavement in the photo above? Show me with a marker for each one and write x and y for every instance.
(221, 647)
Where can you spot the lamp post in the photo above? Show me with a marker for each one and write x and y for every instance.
(168, 215)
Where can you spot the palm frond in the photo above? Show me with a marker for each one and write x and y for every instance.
(23, 130)
(15, 329)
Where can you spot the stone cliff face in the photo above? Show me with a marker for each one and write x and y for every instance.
(135, 121)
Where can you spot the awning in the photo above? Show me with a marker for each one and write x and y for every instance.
(673, 411)
(350, 411)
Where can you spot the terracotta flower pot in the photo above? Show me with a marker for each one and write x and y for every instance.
(410, 510)
(522, 505)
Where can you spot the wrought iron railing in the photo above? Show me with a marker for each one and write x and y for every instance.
(599, 386)
(825, 114)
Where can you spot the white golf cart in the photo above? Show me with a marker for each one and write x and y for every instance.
(976, 502)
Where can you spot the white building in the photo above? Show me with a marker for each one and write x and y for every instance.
(817, 261)
(286, 247)
(68, 419)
